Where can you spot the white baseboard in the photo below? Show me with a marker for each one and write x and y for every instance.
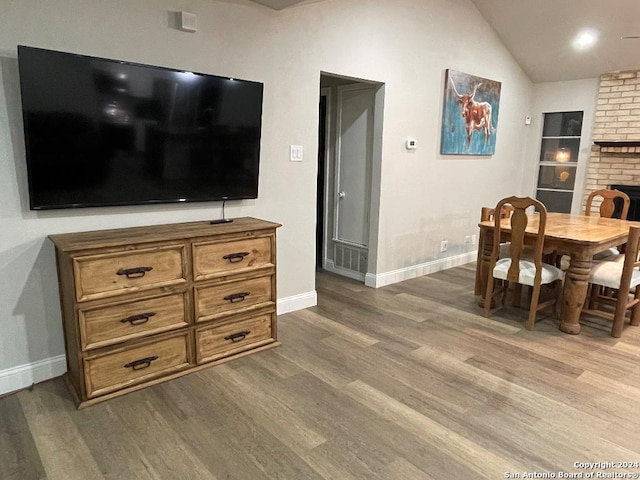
(297, 302)
(395, 276)
(23, 376)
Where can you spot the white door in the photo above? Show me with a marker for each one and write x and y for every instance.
(353, 160)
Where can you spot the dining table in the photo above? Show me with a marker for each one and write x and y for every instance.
(578, 236)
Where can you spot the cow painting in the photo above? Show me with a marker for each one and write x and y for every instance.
(469, 115)
(477, 115)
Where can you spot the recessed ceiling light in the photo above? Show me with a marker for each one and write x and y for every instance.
(585, 40)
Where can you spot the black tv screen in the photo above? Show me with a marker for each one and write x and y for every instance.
(102, 132)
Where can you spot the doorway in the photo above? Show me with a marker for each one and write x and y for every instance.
(349, 159)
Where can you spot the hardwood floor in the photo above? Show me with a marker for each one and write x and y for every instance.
(407, 382)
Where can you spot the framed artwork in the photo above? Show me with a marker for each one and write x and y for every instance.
(470, 114)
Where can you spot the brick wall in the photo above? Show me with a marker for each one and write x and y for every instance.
(617, 119)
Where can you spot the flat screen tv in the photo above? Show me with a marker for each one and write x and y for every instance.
(102, 132)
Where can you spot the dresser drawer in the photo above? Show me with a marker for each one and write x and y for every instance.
(99, 276)
(135, 365)
(104, 326)
(222, 258)
(231, 297)
(228, 339)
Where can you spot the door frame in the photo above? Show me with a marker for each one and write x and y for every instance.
(326, 92)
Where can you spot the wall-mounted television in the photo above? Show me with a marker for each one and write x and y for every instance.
(102, 132)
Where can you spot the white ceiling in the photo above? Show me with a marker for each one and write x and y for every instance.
(539, 34)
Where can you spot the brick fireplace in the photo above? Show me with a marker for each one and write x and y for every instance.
(615, 155)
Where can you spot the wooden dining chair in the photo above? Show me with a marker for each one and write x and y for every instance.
(516, 268)
(607, 205)
(486, 214)
(613, 287)
(606, 209)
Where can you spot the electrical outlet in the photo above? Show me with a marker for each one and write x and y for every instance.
(474, 239)
(467, 239)
(443, 246)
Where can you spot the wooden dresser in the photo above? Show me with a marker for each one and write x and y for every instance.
(144, 305)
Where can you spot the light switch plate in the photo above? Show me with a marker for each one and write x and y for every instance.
(295, 153)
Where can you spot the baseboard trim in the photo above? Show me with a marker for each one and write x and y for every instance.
(402, 274)
(297, 302)
(23, 376)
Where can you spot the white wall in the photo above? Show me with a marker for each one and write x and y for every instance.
(562, 97)
(406, 44)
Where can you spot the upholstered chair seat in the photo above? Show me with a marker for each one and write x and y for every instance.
(609, 273)
(527, 273)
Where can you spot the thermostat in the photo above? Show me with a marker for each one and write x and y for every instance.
(410, 144)
(187, 22)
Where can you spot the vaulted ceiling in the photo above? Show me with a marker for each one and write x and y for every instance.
(540, 34)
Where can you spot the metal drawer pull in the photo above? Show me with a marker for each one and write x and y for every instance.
(142, 363)
(136, 272)
(237, 337)
(138, 319)
(236, 257)
(237, 297)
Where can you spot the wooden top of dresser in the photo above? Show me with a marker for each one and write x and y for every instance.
(70, 242)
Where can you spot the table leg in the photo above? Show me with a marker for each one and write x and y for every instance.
(574, 294)
(478, 286)
(483, 263)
